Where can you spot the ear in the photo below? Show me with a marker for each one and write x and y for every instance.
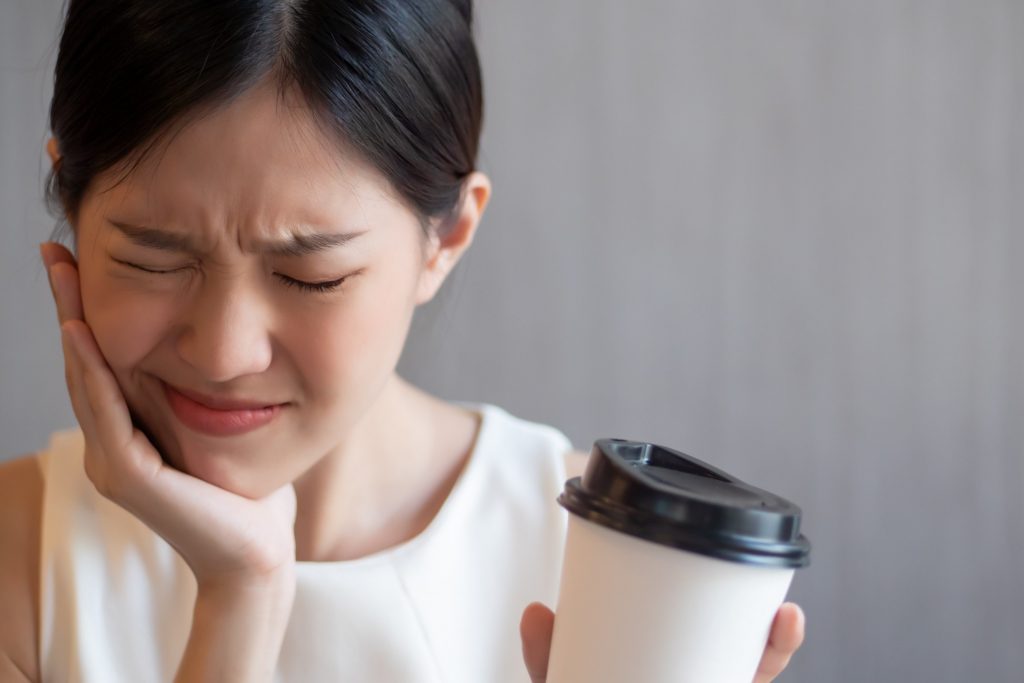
(52, 150)
(444, 252)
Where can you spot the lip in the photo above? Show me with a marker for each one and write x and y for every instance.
(217, 415)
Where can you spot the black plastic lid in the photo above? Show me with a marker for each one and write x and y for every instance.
(662, 495)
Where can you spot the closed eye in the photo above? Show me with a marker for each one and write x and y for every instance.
(146, 269)
(322, 286)
(303, 285)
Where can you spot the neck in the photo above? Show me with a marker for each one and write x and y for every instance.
(383, 484)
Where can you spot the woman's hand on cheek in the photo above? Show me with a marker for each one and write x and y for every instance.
(787, 634)
(223, 537)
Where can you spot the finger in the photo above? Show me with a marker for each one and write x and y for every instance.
(63, 278)
(535, 629)
(123, 460)
(104, 417)
(73, 375)
(111, 419)
(788, 629)
(53, 253)
(94, 457)
(786, 636)
(66, 291)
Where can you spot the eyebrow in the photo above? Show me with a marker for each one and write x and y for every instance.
(294, 245)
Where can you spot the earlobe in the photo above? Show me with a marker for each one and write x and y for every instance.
(52, 150)
(447, 249)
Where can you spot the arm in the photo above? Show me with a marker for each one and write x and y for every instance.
(237, 630)
(11, 671)
(241, 550)
(21, 493)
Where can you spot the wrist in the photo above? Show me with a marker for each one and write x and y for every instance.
(232, 590)
(237, 628)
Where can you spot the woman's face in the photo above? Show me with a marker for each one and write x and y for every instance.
(216, 277)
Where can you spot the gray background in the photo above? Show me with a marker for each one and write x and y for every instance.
(782, 236)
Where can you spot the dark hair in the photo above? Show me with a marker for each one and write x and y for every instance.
(396, 80)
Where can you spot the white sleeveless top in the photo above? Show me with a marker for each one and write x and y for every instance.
(116, 599)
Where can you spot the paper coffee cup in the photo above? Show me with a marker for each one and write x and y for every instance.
(673, 570)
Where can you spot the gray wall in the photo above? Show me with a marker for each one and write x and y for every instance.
(781, 236)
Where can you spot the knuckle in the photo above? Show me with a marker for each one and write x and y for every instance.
(137, 462)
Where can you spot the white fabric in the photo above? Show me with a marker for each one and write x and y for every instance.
(116, 600)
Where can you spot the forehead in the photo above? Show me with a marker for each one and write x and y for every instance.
(260, 160)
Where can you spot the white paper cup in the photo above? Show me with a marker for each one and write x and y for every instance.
(637, 610)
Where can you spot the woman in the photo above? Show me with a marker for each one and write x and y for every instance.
(260, 194)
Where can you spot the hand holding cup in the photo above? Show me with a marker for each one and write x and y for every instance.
(674, 571)
(787, 635)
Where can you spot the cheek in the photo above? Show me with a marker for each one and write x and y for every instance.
(352, 348)
(126, 322)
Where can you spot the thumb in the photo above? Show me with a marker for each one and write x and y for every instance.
(535, 629)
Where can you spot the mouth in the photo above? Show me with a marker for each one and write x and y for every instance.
(219, 415)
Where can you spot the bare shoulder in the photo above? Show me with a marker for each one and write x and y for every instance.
(21, 498)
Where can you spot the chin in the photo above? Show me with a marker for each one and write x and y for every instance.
(238, 470)
(230, 471)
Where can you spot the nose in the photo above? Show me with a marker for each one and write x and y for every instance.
(226, 334)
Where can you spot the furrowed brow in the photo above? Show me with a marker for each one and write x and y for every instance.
(295, 245)
(155, 239)
(300, 245)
